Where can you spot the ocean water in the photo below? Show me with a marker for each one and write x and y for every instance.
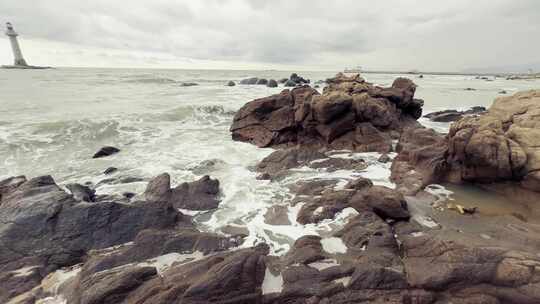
(52, 121)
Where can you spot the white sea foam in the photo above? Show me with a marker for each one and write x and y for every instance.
(333, 245)
(272, 283)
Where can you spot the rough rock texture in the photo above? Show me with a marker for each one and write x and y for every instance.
(44, 227)
(350, 114)
(421, 160)
(198, 195)
(500, 145)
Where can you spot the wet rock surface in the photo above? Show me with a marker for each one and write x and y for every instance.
(394, 245)
(350, 114)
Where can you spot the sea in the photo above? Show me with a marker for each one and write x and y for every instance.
(53, 121)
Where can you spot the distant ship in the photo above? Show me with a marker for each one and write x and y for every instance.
(357, 69)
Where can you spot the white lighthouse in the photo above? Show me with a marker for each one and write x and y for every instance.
(17, 54)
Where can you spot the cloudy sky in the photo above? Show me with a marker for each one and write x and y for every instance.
(277, 34)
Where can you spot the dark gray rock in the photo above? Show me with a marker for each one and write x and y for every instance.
(231, 83)
(43, 224)
(106, 151)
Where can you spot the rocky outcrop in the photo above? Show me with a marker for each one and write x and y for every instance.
(198, 195)
(350, 114)
(45, 228)
(500, 145)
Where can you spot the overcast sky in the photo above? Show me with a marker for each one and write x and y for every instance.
(276, 34)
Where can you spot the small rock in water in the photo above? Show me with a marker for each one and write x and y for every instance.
(470, 89)
(231, 83)
(503, 92)
(188, 84)
(82, 193)
(106, 151)
(110, 170)
(272, 83)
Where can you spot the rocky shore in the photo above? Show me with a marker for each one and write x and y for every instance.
(398, 245)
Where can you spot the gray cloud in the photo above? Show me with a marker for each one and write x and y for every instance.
(380, 34)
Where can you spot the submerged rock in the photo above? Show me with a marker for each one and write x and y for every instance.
(106, 151)
(231, 83)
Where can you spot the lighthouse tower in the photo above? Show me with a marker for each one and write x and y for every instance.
(17, 54)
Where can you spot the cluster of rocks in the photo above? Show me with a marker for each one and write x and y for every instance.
(294, 80)
(453, 115)
(350, 114)
(388, 257)
(260, 81)
(148, 251)
(499, 146)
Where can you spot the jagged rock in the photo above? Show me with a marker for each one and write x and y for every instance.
(350, 114)
(198, 195)
(272, 83)
(232, 277)
(44, 226)
(231, 83)
(106, 151)
(82, 193)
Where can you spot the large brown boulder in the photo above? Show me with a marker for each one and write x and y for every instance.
(501, 145)
(350, 114)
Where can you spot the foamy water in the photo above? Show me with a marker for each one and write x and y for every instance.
(52, 121)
